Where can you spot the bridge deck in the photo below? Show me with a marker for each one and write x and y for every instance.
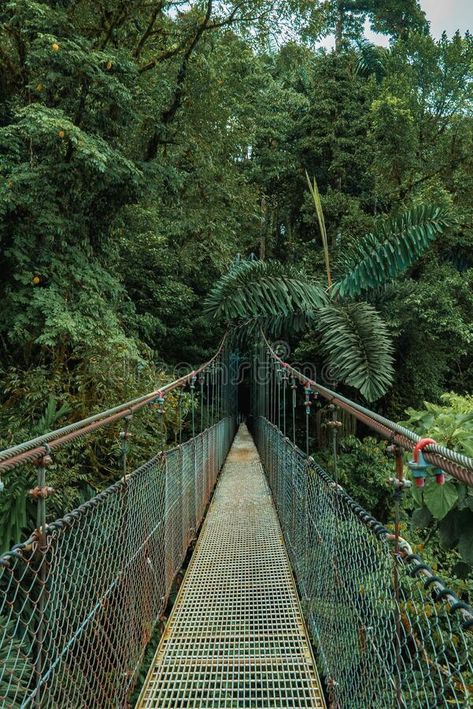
(236, 636)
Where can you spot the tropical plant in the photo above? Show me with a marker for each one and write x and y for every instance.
(394, 246)
(357, 348)
(315, 194)
(354, 339)
(371, 60)
(263, 289)
(446, 508)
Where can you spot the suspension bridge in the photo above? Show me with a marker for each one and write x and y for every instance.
(294, 595)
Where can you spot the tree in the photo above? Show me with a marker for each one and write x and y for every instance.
(346, 18)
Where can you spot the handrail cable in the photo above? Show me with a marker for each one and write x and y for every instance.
(30, 451)
(456, 464)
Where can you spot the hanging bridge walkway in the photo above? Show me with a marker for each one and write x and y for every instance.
(236, 636)
(294, 596)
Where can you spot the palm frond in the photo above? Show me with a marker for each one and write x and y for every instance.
(314, 191)
(357, 347)
(392, 248)
(263, 289)
(372, 60)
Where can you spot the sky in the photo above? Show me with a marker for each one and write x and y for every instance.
(448, 15)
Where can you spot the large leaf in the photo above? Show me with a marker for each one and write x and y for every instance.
(372, 60)
(315, 194)
(449, 529)
(395, 245)
(263, 289)
(440, 498)
(357, 347)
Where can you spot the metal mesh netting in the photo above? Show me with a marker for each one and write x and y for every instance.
(387, 632)
(235, 637)
(78, 605)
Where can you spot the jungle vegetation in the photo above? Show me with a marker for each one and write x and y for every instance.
(143, 145)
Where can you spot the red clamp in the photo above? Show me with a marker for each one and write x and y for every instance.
(420, 447)
(439, 474)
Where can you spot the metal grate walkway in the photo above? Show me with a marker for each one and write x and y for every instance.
(236, 636)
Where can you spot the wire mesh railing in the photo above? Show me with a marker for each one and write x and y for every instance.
(387, 632)
(80, 597)
(80, 601)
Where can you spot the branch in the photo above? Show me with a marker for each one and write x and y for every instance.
(121, 16)
(169, 114)
(230, 20)
(154, 16)
(451, 164)
(165, 55)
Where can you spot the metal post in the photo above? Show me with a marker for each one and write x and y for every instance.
(294, 404)
(40, 494)
(201, 382)
(400, 484)
(192, 391)
(334, 424)
(125, 436)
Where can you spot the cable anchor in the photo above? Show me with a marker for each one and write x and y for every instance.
(159, 403)
(308, 394)
(419, 466)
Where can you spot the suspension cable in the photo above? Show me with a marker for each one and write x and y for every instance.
(456, 464)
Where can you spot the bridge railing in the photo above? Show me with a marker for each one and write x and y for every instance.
(387, 630)
(384, 631)
(80, 598)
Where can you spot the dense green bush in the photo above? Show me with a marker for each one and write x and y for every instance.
(446, 511)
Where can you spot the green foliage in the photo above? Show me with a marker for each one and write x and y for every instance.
(440, 303)
(450, 422)
(449, 506)
(393, 17)
(363, 469)
(391, 249)
(354, 339)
